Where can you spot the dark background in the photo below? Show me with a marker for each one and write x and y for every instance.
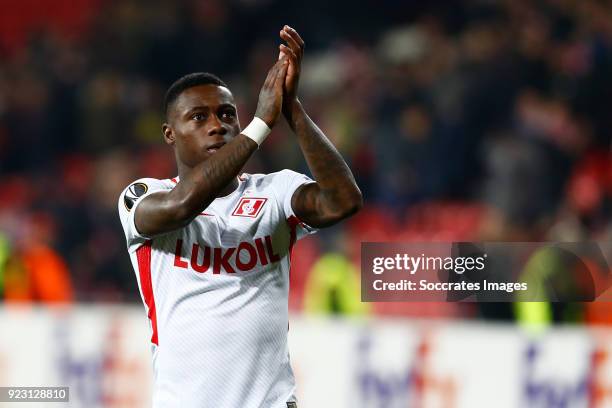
(462, 120)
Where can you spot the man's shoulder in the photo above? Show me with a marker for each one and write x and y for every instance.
(146, 184)
(138, 188)
(267, 178)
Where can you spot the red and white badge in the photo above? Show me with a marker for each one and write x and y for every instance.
(249, 207)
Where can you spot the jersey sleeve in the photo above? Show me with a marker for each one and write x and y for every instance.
(285, 184)
(129, 199)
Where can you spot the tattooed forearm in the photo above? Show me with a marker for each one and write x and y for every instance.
(205, 181)
(336, 195)
(168, 210)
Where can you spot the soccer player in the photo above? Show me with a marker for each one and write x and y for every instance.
(211, 248)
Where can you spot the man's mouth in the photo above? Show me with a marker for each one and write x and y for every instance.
(215, 147)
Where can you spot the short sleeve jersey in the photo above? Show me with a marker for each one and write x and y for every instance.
(216, 294)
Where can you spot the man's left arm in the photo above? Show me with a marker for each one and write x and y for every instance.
(335, 194)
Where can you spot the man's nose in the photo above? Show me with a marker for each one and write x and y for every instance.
(216, 127)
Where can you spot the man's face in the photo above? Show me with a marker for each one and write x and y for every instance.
(201, 120)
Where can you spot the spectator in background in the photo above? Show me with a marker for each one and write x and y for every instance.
(4, 257)
(34, 272)
(333, 284)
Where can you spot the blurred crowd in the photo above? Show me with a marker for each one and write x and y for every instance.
(464, 120)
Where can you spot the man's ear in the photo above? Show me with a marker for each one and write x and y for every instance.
(168, 134)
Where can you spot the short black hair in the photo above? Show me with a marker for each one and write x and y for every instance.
(189, 81)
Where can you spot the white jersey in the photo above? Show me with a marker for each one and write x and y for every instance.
(216, 294)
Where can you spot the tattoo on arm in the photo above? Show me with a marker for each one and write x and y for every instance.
(335, 195)
(167, 211)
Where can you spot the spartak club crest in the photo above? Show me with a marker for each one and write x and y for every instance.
(249, 207)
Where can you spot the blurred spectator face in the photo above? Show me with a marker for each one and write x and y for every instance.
(210, 15)
(38, 228)
(550, 119)
(201, 120)
(415, 123)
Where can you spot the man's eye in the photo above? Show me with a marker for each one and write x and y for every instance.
(197, 116)
(229, 115)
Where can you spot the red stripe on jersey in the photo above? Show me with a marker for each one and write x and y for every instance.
(173, 180)
(143, 256)
(293, 222)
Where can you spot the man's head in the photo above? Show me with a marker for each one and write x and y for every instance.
(200, 117)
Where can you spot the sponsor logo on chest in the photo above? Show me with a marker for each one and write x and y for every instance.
(245, 257)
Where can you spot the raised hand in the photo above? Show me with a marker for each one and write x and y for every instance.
(271, 95)
(294, 50)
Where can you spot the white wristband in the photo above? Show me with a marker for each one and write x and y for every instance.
(257, 131)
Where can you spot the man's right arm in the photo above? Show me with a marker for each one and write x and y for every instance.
(166, 211)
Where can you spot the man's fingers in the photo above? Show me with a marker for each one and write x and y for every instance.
(280, 77)
(282, 63)
(289, 52)
(273, 73)
(293, 66)
(294, 34)
(283, 70)
(291, 42)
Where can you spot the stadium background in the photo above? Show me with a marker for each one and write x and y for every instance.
(462, 120)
